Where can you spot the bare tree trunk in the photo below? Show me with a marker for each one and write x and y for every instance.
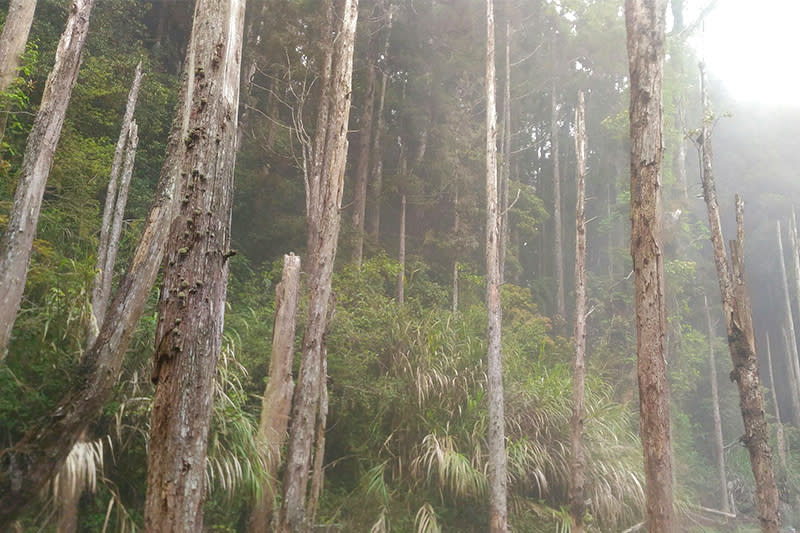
(456, 224)
(792, 338)
(401, 255)
(578, 457)
(15, 247)
(318, 472)
(796, 263)
(364, 145)
(558, 244)
(741, 338)
(505, 168)
(794, 383)
(498, 511)
(781, 437)
(277, 401)
(114, 208)
(30, 463)
(745, 372)
(192, 304)
(324, 197)
(645, 21)
(13, 39)
(719, 447)
(374, 227)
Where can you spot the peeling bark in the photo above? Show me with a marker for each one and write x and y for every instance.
(16, 245)
(277, 401)
(645, 22)
(191, 308)
(741, 337)
(114, 209)
(578, 456)
(323, 202)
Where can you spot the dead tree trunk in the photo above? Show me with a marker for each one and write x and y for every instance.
(745, 373)
(13, 39)
(364, 145)
(456, 224)
(792, 342)
(277, 401)
(645, 21)
(578, 457)
(324, 197)
(401, 255)
(12, 45)
(558, 241)
(505, 167)
(30, 463)
(781, 437)
(498, 512)
(192, 304)
(374, 227)
(114, 209)
(741, 339)
(719, 447)
(796, 263)
(15, 247)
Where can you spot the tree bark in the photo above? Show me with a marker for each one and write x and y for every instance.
(13, 39)
(795, 241)
(781, 438)
(578, 457)
(15, 248)
(364, 145)
(645, 21)
(401, 255)
(374, 227)
(498, 511)
(192, 304)
(745, 372)
(741, 338)
(505, 168)
(558, 241)
(30, 463)
(456, 225)
(277, 401)
(793, 352)
(324, 197)
(113, 210)
(719, 446)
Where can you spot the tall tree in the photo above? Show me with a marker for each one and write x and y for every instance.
(795, 370)
(365, 146)
(645, 22)
(739, 327)
(578, 457)
(114, 209)
(192, 304)
(15, 248)
(719, 447)
(13, 39)
(374, 222)
(31, 462)
(498, 512)
(323, 203)
(558, 241)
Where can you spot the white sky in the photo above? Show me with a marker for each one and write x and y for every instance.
(753, 46)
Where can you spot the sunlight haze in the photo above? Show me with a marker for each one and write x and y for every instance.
(752, 47)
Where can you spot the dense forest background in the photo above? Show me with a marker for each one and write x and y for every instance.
(406, 376)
